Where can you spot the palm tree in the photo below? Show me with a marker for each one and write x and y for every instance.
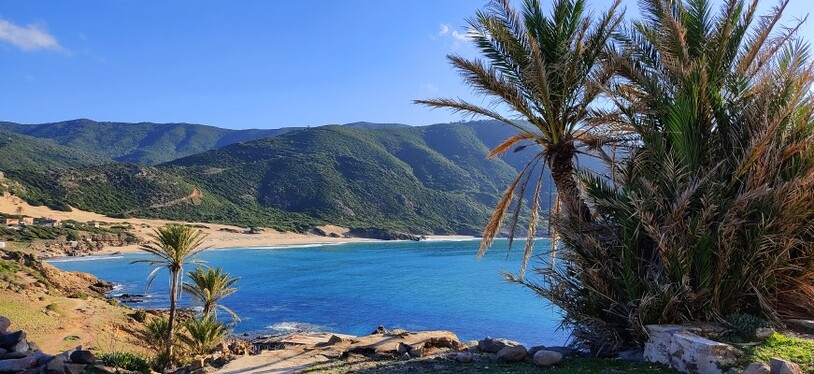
(173, 246)
(203, 334)
(208, 287)
(547, 71)
(19, 212)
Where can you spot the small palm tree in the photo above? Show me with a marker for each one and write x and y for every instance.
(19, 212)
(547, 71)
(173, 247)
(208, 287)
(203, 334)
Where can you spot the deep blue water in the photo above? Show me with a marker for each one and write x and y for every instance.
(352, 288)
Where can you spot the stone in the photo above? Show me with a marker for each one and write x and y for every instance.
(416, 351)
(105, 370)
(464, 357)
(398, 331)
(196, 364)
(71, 368)
(405, 356)
(693, 354)
(20, 346)
(804, 324)
(5, 323)
(764, 333)
(657, 347)
(547, 358)
(470, 345)
(83, 357)
(379, 330)
(512, 353)
(490, 345)
(780, 366)
(403, 348)
(55, 366)
(13, 355)
(564, 351)
(19, 364)
(632, 355)
(757, 368)
(333, 340)
(535, 349)
(9, 340)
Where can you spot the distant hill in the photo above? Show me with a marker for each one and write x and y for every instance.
(426, 180)
(21, 152)
(141, 143)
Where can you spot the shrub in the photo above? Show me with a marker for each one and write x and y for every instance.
(52, 307)
(127, 361)
(78, 295)
(113, 302)
(203, 334)
(139, 315)
(744, 326)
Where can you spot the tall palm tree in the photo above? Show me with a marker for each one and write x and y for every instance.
(208, 287)
(547, 70)
(173, 247)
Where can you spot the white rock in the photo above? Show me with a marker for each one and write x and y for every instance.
(693, 354)
(547, 358)
(657, 347)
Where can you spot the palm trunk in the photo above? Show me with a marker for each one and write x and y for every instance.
(171, 323)
(562, 172)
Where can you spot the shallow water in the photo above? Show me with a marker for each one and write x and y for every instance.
(352, 288)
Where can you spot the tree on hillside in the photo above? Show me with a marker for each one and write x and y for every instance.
(19, 211)
(208, 287)
(547, 71)
(172, 247)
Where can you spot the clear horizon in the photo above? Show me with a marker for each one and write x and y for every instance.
(260, 65)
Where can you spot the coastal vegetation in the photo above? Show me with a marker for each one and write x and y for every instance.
(208, 287)
(705, 209)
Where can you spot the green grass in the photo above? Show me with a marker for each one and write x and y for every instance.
(794, 349)
(448, 366)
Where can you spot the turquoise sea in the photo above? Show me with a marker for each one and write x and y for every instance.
(353, 287)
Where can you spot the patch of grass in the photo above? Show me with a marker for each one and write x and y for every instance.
(52, 307)
(794, 349)
(127, 361)
(449, 366)
(78, 295)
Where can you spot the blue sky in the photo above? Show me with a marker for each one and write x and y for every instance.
(238, 64)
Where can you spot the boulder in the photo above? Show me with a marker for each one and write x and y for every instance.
(196, 364)
(693, 354)
(20, 346)
(471, 345)
(764, 333)
(379, 330)
(490, 345)
(13, 355)
(535, 349)
(106, 370)
(464, 357)
(82, 357)
(780, 366)
(657, 347)
(802, 324)
(405, 356)
(757, 368)
(403, 348)
(416, 351)
(19, 364)
(71, 368)
(547, 358)
(512, 353)
(564, 351)
(333, 340)
(5, 323)
(55, 366)
(9, 340)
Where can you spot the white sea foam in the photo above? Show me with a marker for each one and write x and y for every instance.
(292, 327)
(83, 259)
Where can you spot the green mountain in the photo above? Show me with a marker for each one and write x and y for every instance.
(386, 177)
(141, 143)
(21, 152)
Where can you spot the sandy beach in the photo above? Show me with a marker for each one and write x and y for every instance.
(217, 235)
